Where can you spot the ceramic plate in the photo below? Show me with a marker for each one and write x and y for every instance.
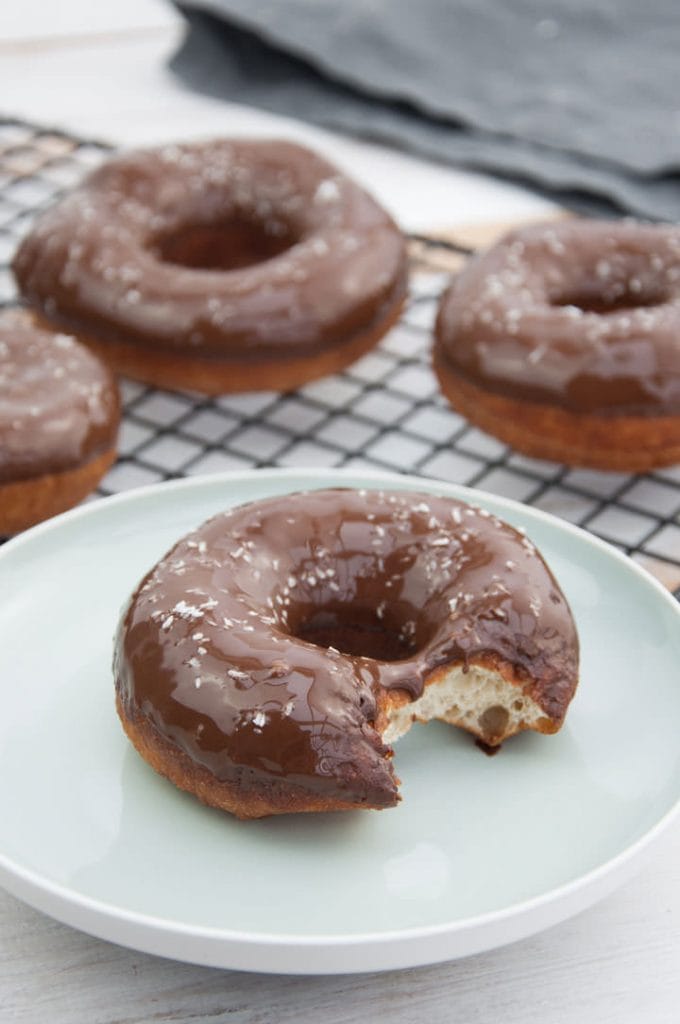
(481, 851)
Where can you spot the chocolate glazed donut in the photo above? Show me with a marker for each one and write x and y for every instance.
(563, 340)
(59, 416)
(268, 661)
(223, 266)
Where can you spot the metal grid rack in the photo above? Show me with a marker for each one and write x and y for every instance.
(384, 412)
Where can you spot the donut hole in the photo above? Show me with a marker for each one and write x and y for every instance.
(618, 296)
(359, 632)
(225, 245)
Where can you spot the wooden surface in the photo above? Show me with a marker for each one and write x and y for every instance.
(99, 70)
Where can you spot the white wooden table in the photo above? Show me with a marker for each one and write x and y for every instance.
(99, 70)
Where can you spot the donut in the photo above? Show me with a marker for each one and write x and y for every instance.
(563, 341)
(267, 663)
(59, 416)
(220, 267)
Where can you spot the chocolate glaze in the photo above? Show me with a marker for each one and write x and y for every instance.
(584, 314)
(216, 648)
(228, 249)
(59, 404)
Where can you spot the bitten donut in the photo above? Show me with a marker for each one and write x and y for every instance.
(222, 266)
(268, 660)
(564, 341)
(59, 415)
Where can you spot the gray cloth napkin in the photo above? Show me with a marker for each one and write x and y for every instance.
(579, 98)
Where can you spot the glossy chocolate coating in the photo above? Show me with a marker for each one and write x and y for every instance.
(582, 314)
(230, 249)
(217, 646)
(59, 404)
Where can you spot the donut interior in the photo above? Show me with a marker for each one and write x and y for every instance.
(484, 698)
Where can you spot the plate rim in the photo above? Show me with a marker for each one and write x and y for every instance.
(391, 949)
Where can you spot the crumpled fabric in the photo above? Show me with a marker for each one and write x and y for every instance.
(577, 98)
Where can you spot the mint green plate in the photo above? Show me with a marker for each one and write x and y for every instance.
(480, 852)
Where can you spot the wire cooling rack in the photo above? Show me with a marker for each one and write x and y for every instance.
(384, 412)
